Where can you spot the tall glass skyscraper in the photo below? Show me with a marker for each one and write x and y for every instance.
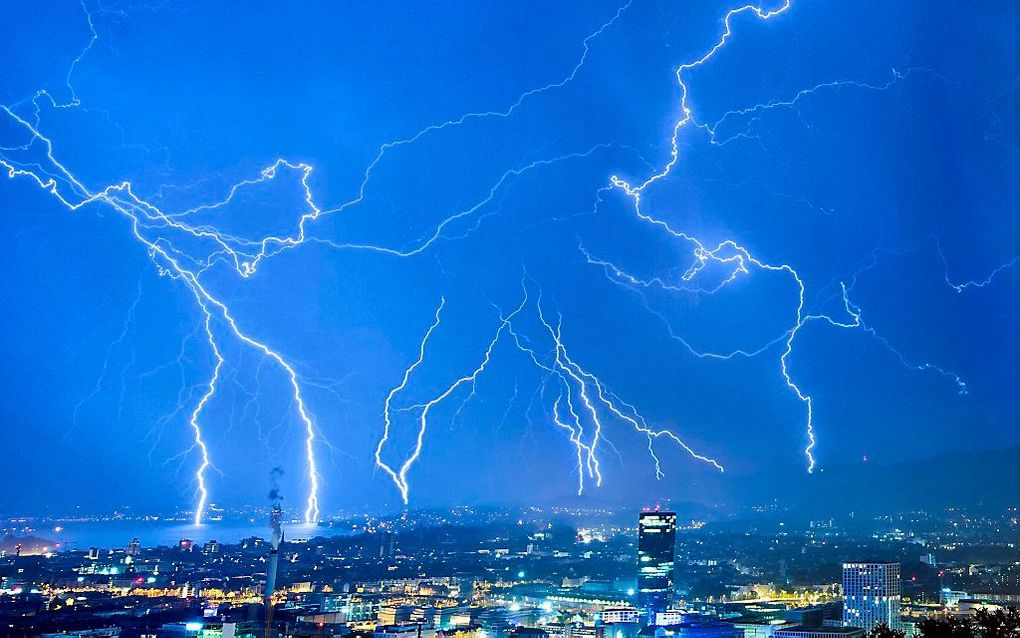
(656, 553)
(871, 594)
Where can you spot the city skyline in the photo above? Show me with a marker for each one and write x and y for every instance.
(536, 574)
(584, 319)
(625, 251)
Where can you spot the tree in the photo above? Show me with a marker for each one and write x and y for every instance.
(882, 630)
(997, 624)
(945, 627)
(1001, 623)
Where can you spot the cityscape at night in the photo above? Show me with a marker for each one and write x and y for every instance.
(510, 319)
(569, 571)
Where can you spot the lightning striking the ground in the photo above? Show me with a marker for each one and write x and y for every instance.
(203, 491)
(585, 395)
(242, 254)
(61, 183)
(734, 255)
(188, 248)
(398, 478)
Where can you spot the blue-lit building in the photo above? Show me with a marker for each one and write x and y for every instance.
(656, 556)
(695, 627)
(871, 594)
(207, 629)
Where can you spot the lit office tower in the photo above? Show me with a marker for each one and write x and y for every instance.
(656, 553)
(871, 594)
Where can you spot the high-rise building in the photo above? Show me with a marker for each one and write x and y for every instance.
(656, 553)
(871, 594)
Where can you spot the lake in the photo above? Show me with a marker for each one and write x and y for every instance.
(118, 533)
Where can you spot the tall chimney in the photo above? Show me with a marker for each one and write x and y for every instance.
(275, 521)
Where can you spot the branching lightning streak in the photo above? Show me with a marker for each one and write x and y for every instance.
(183, 394)
(505, 113)
(728, 251)
(73, 100)
(591, 391)
(688, 113)
(426, 242)
(616, 275)
(246, 254)
(575, 438)
(203, 491)
(243, 254)
(400, 476)
(140, 213)
(790, 103)
(872, 259)
(606, 398)
(312, 506)
(584, 394)
(387, 418)
(106, 362)
(960, 287)
(587, 461)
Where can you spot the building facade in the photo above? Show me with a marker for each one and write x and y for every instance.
(820, 632)
(656, 556)
(612, 615)
(871, 594)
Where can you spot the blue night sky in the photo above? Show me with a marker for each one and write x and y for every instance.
(469, 154)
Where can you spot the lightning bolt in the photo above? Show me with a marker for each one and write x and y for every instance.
(960, 287)
(624, 411)
(574, 381)
(74, 195)
(106, 362)
(502, 113)
(752, 113)
(738, 257)
(203, 491)
(185, 251)
(400, 476)
(243, 255)
(727, 253)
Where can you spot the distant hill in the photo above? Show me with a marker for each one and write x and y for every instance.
(988, 479)
(625, 511)
(26, 545)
